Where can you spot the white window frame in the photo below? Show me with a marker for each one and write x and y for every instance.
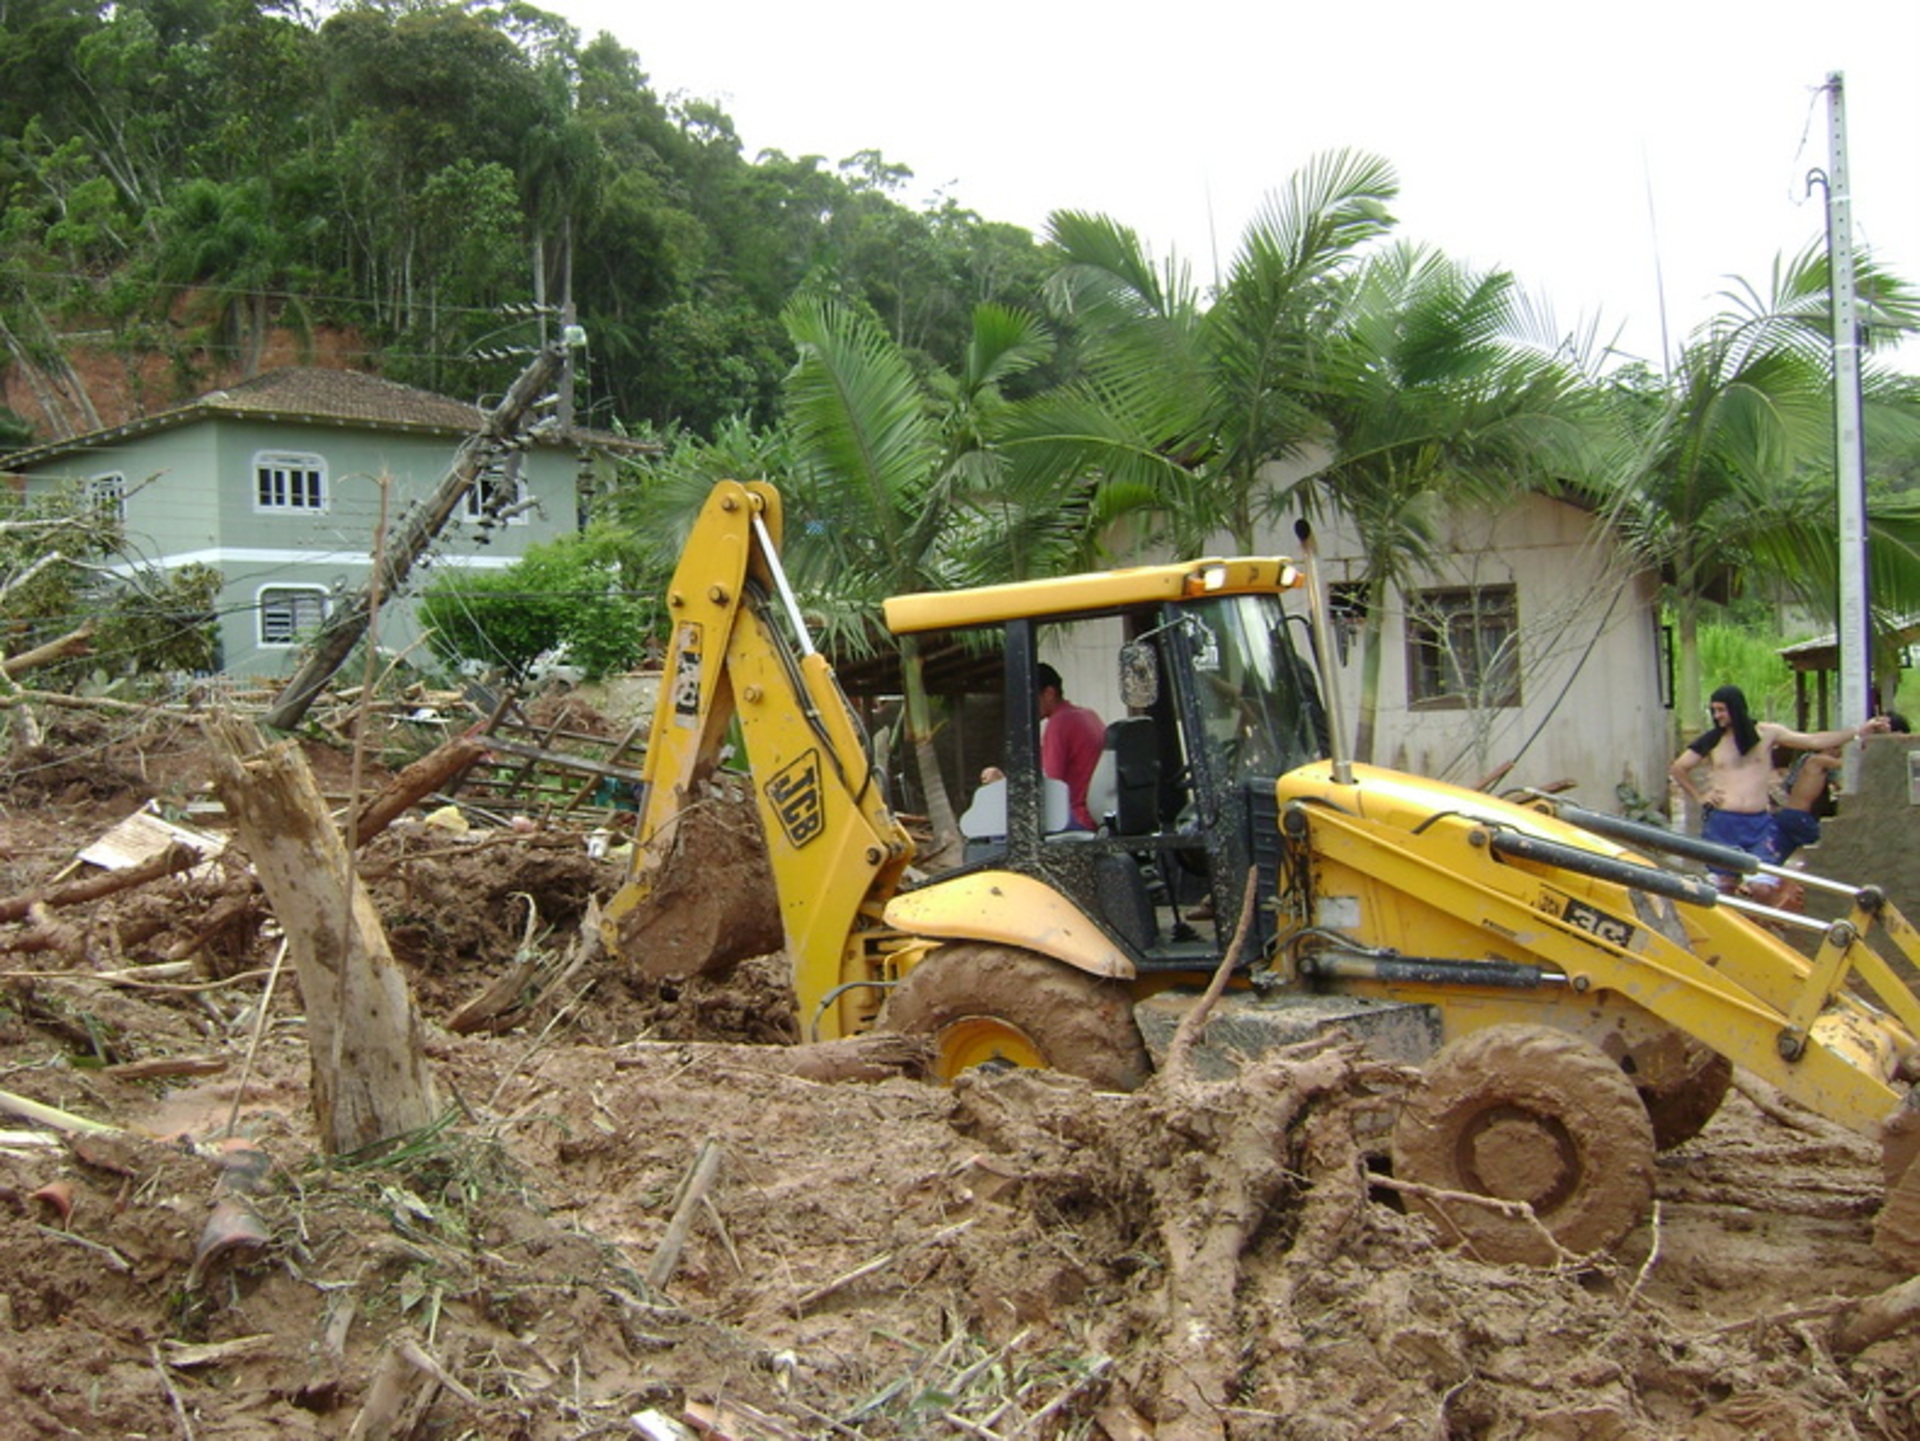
(288, 482)
(107, 496)
(500, 473)
(290, 596)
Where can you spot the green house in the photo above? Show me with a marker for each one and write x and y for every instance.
(282, 485)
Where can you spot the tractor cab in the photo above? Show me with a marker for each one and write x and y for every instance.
(1215, 703)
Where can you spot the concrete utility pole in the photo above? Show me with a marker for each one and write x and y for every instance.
(1855, 632)
(344, 628)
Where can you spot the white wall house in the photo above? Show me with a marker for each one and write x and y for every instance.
(1532, 656)
(1535, 647)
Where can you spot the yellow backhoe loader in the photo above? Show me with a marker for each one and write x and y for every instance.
(1575, 996)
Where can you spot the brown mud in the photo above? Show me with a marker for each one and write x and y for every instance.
(637, 1206)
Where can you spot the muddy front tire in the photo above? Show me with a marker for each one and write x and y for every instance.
(1527, 1113)
(985, 1004)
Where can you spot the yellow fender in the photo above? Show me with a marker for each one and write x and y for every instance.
(1012, 910)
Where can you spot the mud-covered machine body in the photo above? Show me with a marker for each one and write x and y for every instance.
(1575, 1000)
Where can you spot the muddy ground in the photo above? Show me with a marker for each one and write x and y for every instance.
(1016, 1256)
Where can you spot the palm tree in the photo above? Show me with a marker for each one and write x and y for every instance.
(891, 473)
(1727, 470)
(1437, 386)
(1187, 404)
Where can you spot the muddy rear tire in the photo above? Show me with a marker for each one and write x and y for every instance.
(1527, 1113)
(985, 1004)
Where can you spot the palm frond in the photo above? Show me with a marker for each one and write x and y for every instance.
(856, 409)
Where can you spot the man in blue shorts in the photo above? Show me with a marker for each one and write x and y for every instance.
(1738, 754)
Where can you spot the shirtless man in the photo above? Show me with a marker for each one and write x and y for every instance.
(1738, 752)
(1796, 822)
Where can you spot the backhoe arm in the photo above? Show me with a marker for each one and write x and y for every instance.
(835, 848)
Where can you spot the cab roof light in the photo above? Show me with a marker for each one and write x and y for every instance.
(1207, 578)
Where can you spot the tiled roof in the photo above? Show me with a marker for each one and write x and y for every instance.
(309, 395)
(344, 395)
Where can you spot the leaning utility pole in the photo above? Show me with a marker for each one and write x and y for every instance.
(342, 631)
(1855, 631)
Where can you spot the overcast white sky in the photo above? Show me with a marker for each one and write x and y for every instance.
(1575, 146)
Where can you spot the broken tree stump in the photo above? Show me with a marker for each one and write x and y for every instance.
(370, 1080)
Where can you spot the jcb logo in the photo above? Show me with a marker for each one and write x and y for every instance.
(686, 677)
(795, 796)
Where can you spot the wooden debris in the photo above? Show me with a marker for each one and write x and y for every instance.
(405, 1385)
(185, 1355)
(534, 976)
(76, 642)
(156, 1067)
(47, 933)
(730, 1419)
(706, 1165)
(29, 1110)
(174, 858)
(1877, 1317)
(878, 1263)
(173, 1393)
(432, 772)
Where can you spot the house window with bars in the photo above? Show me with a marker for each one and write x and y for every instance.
(289, 482)
(107, 498)
(497, 496)
(289, 614)
(1463, 647)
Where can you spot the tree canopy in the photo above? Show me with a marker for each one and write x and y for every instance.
(188, 175)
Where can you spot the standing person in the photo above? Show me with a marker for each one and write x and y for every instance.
(1070, 745)
(1738, 753)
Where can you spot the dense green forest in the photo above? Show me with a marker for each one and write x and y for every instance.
(180, 176)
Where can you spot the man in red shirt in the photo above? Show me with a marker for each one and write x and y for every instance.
(1070, 745)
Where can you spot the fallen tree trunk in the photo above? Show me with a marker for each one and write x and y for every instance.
(77, 642)
(176, 857)
(425, 776)
(369, 1077)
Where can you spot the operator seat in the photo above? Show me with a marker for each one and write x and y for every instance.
(1135, 749)
(1130, 762)
(983, 825)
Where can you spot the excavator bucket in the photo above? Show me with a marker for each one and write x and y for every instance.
(1896, 1231)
